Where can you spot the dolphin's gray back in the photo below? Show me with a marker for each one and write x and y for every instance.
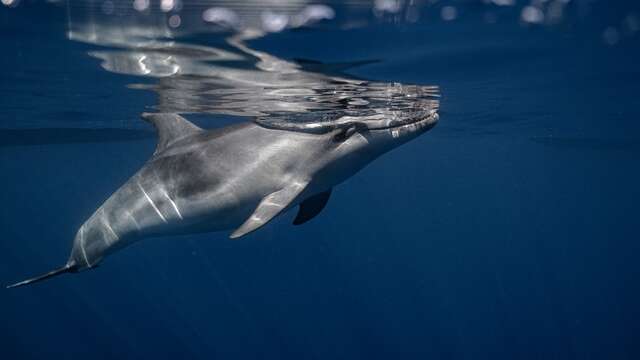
(201, 180)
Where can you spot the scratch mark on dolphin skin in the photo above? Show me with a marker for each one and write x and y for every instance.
(108, 226)
(82, 242)
(175, 207)
(152, 204)
(135, 222)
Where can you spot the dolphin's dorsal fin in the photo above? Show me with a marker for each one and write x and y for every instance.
(311, 207)
(171, 127)
(270, 206)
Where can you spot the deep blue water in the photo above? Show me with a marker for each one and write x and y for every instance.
(509, 231)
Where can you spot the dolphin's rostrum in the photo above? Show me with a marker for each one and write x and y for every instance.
(236, 177)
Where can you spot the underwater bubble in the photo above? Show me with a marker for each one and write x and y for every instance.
(141, 5)
(532, 15)
(167, 5)
(449, 13)
(175, 21)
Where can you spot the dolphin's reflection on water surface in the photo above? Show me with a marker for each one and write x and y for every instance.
(230, 77)
(241, 81)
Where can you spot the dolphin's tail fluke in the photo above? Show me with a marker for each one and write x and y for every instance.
(65, 269)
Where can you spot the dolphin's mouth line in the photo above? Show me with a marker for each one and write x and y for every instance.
(432, 118)
(371, 124)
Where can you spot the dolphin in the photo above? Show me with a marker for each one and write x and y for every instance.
(236, 177)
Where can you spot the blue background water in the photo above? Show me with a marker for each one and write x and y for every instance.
(508, 231)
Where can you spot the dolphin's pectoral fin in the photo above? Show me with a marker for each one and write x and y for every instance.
(270, 206)
(170, 127)
(311, 207)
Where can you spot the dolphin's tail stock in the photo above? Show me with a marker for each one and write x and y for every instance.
(65, 269)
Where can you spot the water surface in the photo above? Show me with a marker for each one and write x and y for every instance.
(508, 231)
